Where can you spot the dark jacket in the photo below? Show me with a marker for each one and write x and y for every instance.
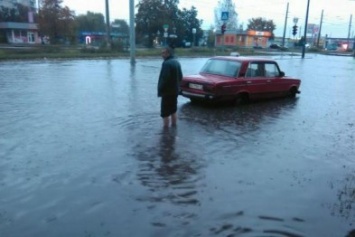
(170, 77)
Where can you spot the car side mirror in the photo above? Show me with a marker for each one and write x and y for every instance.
(282, 74)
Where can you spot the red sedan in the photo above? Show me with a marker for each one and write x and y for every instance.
(239, 79)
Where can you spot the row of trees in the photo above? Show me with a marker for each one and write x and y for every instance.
(61, 24)
(152, 15)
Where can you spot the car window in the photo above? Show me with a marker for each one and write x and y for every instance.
(271, 70)
(222, 67)
(255, 69)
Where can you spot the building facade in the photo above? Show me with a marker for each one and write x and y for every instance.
(20, 32)
(250, 38)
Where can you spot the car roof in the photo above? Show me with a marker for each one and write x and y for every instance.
(243, 59)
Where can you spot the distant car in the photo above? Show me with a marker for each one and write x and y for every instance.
(239, 79)
(277, 46)
(235, 54)
(187, 44)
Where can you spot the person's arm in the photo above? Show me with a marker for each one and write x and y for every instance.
(180, 73)
(164, 77)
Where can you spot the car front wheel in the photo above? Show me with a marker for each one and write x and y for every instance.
(293, 92)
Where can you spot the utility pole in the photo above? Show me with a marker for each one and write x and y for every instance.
(305, 31)
(108, 28)
(132, 36)
(320, 28)
(285, 26)
(351, 19)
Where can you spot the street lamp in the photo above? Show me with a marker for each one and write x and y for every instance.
(166, 27)
(173, 37)
(305, 31)
(158, 37)
(108, 30)
(194, 36)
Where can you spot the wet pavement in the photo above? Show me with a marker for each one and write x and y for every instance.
(83, 153)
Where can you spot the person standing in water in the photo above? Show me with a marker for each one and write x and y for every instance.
(169, 86)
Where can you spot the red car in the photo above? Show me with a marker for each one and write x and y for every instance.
(239, 79)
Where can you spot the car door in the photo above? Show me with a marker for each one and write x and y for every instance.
(256, 81)
(275, 84)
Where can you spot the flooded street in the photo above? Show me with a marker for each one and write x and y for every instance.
(83, 153)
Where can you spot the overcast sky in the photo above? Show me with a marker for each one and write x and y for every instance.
(336, 17)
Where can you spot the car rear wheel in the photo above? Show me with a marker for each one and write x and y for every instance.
(241, 99)
(194, 100)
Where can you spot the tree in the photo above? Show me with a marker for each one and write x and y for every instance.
(229, 7)
(19, 13)
(91, 22)
(189, 21)
(120, 26)
(211, 37)
(152, 15)
(260, 24)
(120, 34)
(57, 22)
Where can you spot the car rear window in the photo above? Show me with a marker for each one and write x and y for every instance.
(227, 68)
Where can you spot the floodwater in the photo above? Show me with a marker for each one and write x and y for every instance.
(83, 153)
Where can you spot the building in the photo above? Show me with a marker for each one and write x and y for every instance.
(12, 3)
(339, 44)
(20, 32)
(250, 38)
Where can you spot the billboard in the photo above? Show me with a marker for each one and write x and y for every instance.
(312, 29)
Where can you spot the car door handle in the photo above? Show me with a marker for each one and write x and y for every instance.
(268, 80)
(248, 82)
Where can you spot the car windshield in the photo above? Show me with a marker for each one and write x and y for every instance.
(222, 67)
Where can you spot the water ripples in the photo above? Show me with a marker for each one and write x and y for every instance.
(82, 152)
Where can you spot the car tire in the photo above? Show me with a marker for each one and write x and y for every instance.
(193, 100)
(293, 92)
(241, 99)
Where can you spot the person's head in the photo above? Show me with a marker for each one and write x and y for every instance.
(167, 52)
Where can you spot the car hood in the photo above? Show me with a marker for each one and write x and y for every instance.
(203, 78)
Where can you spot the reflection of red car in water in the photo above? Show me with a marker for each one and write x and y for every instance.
(239, 79)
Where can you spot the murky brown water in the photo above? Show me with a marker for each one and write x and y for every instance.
(83, 153)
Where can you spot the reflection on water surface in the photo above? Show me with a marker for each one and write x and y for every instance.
(83, 153)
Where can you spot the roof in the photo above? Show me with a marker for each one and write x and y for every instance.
(243, 58)
(18, 25)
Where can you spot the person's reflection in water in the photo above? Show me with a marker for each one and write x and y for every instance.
(176, 170)
(167, 144)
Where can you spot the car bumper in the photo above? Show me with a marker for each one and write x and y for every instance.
(196, 95)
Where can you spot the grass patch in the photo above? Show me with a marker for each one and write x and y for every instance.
(53, 51)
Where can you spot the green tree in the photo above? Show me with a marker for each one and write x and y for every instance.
(211, 37)
(57, 22)
(18, 13)
(91, 22)
(189, 21)
(152, 15)
(120, 34)
(261, 24)
(120, 26)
